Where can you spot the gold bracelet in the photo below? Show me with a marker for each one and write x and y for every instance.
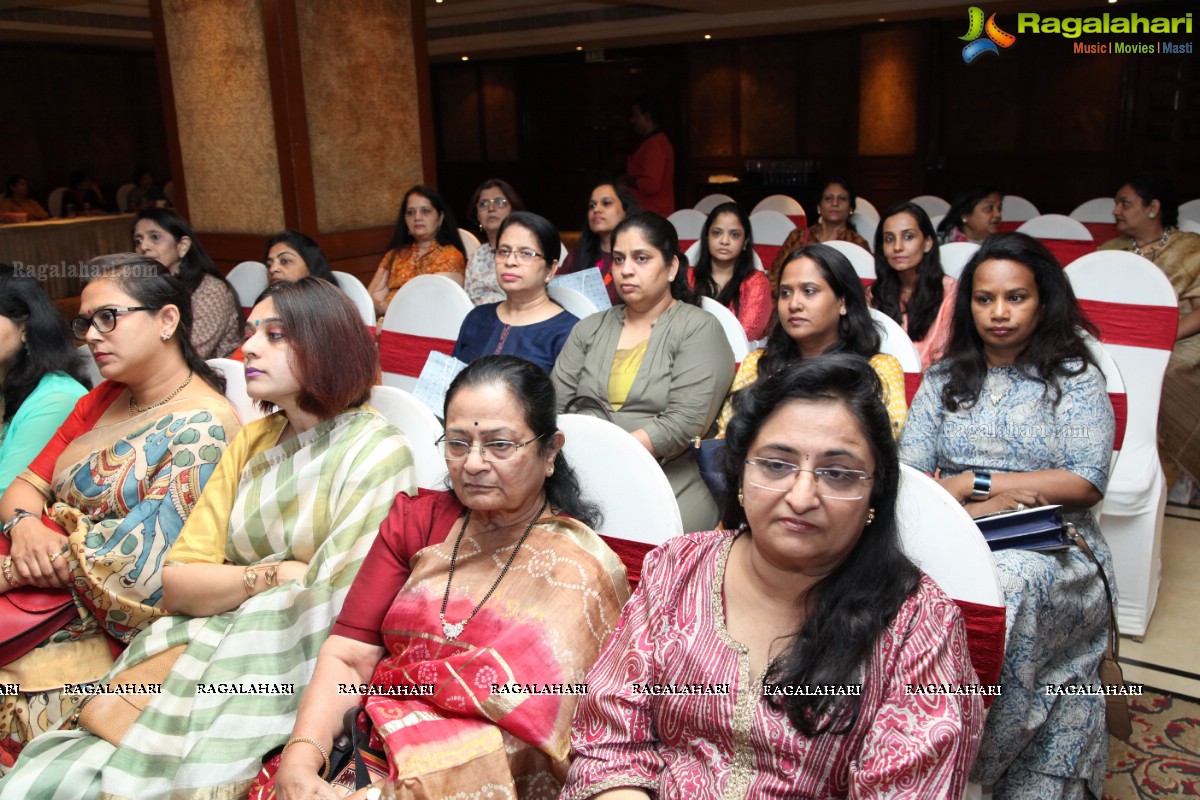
(314, 743)
(7, 569)
(271, 575)
(249, 579)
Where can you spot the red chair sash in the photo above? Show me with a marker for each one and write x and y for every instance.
(985, 640)
(1133, 325)
(912, 382)
(631, 554)
(1011, 225)
(767, 253)
(684, 244)
(800, 220)
(406, 353)
(1102, 231)
(1120, 404)
(1067, 250)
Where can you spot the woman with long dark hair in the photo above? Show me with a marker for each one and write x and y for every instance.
(98, 509)
(822, 309)
(41, 374)
(776, 658)
(657, 365)
(1016, 415)
(424, 242)
(910, 286)
(166, 237)
(609, 204)
(725, 269)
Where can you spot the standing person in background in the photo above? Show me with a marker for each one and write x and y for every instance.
(651, 168)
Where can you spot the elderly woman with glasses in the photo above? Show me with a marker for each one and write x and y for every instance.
(527, 323)
(96, 512)
(776, 658)
(475, 616)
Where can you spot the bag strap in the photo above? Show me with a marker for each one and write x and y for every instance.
(579, 400)
(1112, 649)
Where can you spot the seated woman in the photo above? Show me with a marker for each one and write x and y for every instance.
(17, 200)
(807, 590)
(973, 216)
(835, 206)
(822, 309)
(1147, 211)
(1015, 415)
(41, 374)
(725, 269)
(657, 365)
(609, 204)
(425, 242)
(910, 286)
(500, 581)
(98, 509)
(260, 570)
(291, 256)
(145, 192)
(528, 323)
(216, 315)
(491, 204)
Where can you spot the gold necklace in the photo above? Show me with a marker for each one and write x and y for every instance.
(135, 409)
(1137, 249)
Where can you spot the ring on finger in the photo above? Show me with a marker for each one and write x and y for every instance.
(56, 555)
(1020, 507)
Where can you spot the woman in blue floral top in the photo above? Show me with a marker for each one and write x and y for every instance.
(1017, 415)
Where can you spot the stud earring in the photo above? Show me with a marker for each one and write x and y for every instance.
(870, 515)
(549, 472)
(165, 336)
(1150, 215)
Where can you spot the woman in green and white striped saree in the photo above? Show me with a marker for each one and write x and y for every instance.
(259, 572)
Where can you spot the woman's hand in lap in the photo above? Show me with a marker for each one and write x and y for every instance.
(1007, 500)
(298, 781)
(290, 571)
(33, 547)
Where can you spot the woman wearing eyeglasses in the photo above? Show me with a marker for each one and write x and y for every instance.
(528, 323)
(491, 204)
(425, 242)
(775, 658)
(259, 572)
(475, 616)
(98, 509)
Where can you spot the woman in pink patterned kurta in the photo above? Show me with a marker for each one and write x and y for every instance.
(698, 691)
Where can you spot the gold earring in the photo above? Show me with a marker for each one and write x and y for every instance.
(870, 515)
(741, 498)
(549, 472)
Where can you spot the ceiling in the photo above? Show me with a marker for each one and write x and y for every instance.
(507, 28)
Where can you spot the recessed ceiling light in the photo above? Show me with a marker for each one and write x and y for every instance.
(883, 19)
(708, 36)
(578, 47)
(466, 58)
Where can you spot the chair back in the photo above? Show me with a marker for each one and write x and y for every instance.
(1190, 210)
(862, 261)
(90, 369)
(572, 300)
(470, 243)
(708, 203)
(419, 426)
(1098, 209)
(785, 205)
(249, 280)
(688, 223)
(954, 257)
(942, 539)
(123, 197)
(771, 230)
(1116, 395)
(358, 295)
(864, 207)
(54, 203)
(623, 479)
(424, 315)
(865, 225)
(235, 389)
(1056, 226)
(1018, 209)
(894, 342)
(734, 332)
(1189, 225)
(933, 205)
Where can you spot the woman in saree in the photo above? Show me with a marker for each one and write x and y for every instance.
(100, 506)
(477, 593)
(258, 574)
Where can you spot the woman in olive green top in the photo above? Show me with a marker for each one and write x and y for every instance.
(662, 365)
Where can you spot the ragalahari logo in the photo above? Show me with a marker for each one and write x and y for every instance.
(996, 38)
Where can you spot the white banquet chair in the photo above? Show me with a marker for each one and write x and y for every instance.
(688, 223)
(1056, 226)
(249, 279)
(954, 257)
(734, 332)
(862, 260)
(932, 204)
(358, 295)
(235, 389)
(424, 315)
(419, 426)
(707, 203)
(1018, 209)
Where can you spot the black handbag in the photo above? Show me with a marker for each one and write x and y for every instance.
(710, 458)
(1040, 529)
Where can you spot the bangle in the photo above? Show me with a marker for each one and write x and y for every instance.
(7, 569)
(249, 579)
(981, 486)
(12, 523)
(271, 575)
(314, 743)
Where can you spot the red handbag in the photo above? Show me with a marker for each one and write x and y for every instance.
(30, 614)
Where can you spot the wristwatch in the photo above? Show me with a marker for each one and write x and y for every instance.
(981, 488)
(12, 523)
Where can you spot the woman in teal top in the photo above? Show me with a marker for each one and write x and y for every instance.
(41, 374)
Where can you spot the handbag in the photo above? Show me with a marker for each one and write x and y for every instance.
(109, 715)
(1040, 529)
(353, 763)
(710, 458)
(29, 614)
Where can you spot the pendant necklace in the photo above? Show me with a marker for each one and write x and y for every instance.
(134, 408)
(452, 632)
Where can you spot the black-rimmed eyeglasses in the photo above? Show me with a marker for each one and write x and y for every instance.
(103, 320)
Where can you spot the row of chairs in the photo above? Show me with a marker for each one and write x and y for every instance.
(54, 203)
